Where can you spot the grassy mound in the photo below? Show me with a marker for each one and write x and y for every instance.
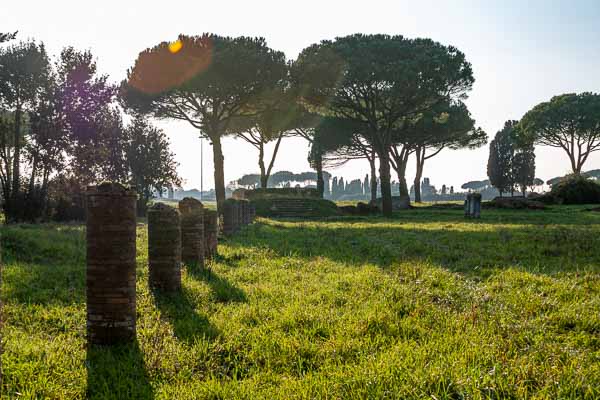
(270, 193)
(423, 305)
(310, 207)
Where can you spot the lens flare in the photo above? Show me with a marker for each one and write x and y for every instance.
(171, 64)
(175, 46)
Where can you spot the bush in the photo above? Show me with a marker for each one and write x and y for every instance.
(574, 190)
(66, 198)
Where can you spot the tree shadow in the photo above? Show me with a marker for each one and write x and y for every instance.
(117, 372)
(223, 291)
(188, 325)
(470, 249)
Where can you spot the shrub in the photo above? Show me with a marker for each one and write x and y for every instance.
(574, 190)
(66, 198)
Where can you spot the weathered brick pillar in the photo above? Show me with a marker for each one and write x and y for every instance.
(467, 205)
(164, 247)
(211, 231)
(473, 205)
(110, 277)
(229, 215)
(192, 231)
(248, 213)
(244, 204)
(237, 216)
(252, 212)
(242, 213)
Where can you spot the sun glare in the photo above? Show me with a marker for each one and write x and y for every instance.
(175, 46)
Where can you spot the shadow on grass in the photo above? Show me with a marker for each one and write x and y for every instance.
(117, 372)
(188, 325)
(476, 249)
(223, 291)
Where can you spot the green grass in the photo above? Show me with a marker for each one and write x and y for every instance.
(424, 305)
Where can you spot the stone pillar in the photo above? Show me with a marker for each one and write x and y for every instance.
(252, 212)
(243, 213)
(211, 231)
(164, 248)
(110, 276)
(473, 205)
(237, 216)
(467, 205)
(229, 214)
(192, 231)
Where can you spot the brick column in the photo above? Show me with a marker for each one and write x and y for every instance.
(110, 276)
(229, 217)
(164, 247)
(211, 230)
(248, 213)
(192, 231)
(252, 212)
(473, 205)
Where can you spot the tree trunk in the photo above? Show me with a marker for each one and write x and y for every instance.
(219, 172)
(44, 191)
(401, 164)
(33, 172)
(420, 156)
(261, 164)
(386, 187)
(319, 168)
(417, 186)
(403, 186)
(320, 180)
(373, 179)
(16, 178)
(272, 162)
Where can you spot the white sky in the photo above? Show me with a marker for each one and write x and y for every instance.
(521, 55)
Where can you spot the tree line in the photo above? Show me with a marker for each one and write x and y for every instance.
(62, 128)
(377, 97)
(570, 122)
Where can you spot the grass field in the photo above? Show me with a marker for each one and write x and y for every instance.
(424, 305)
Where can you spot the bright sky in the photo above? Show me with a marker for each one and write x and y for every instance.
(522, 53)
